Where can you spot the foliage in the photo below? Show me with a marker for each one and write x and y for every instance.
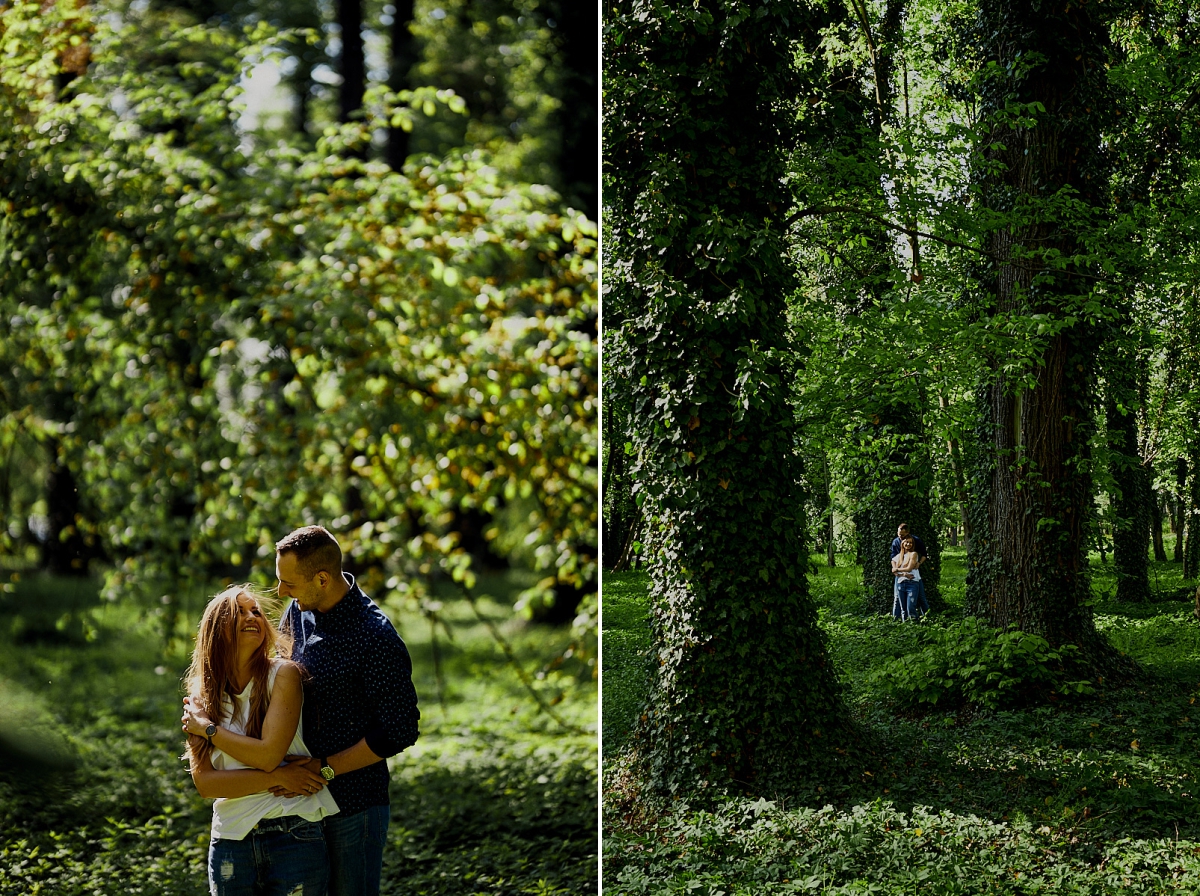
(760, 847)
(968, 661)
(490, 798)
(215, 337)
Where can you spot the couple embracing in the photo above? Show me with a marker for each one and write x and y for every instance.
(908, 591)
(289, 729)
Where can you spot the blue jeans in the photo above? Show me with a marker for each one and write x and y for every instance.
(356, 850)
(901, 609)
(280, 857)
(911, 598)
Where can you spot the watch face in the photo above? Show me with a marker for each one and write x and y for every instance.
(210, 730)
(327, 773)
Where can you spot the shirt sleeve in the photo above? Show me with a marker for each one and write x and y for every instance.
(895, 547)
(387, 680)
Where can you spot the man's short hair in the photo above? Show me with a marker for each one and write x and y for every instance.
(315, 551)
(902, 526)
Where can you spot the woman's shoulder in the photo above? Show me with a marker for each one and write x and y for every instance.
(284, 670)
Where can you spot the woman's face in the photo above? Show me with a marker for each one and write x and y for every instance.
(907, 544)
(252, 626)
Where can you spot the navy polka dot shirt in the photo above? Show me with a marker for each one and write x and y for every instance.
(359, 684)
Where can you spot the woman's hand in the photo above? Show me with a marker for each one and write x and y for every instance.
(195, 720)
(296, 778)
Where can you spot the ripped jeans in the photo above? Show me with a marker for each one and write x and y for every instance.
(280, 857)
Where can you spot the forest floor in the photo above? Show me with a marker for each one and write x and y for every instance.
(1092, 794)
(494, 797)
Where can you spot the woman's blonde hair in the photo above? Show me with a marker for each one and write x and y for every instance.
(210, 677)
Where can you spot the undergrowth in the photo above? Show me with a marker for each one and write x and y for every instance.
(1050, 793)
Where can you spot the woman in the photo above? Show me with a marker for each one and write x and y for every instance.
(906, 566)
(262, 844)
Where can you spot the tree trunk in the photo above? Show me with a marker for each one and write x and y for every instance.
(1154, 501)
(1131, 519)
(744, 696)
(404, 57)
(575, 22)
(351, 63)
(1180, 507)
(1028, 565)
(1191, 552)
(891, 495)
(65, 553)
(830, 543)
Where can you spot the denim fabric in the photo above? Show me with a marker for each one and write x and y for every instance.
(910, 596)
(899, 610)
(356, 850)
(922, 603)
(279, 857)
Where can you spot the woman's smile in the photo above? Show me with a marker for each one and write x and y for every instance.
(250, 618)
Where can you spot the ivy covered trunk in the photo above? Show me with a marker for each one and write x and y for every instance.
(700, 105)
(894, 493)
(1032, 489)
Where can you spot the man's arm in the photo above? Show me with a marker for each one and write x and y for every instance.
(212, 783)
(348, 760)
(387, 683)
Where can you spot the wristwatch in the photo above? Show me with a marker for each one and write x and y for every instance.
(326, 770)
(210, 731)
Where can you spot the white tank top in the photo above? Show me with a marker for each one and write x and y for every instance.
(234, 817)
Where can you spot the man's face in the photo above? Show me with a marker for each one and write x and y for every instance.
(306, 592)
(902, 532)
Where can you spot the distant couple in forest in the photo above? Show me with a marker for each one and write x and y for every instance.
(908, 592)
(289, 728)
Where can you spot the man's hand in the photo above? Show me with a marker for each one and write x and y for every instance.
(301, 776)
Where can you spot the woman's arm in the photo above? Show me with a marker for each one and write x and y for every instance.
(213, 784)
(279, 726)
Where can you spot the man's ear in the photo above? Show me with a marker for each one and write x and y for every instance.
(323, 579)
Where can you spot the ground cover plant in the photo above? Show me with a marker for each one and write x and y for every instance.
(494, 798)
(1071, 792)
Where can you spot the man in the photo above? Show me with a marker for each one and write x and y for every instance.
(899, 611)
(359, 703)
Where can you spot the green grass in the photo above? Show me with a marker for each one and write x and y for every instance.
(1088, 795)
(494, 798)
(625, 646)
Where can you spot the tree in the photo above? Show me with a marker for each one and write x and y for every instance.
(1040, 169)
(404, 57)
(700, 103)
(254, 337)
